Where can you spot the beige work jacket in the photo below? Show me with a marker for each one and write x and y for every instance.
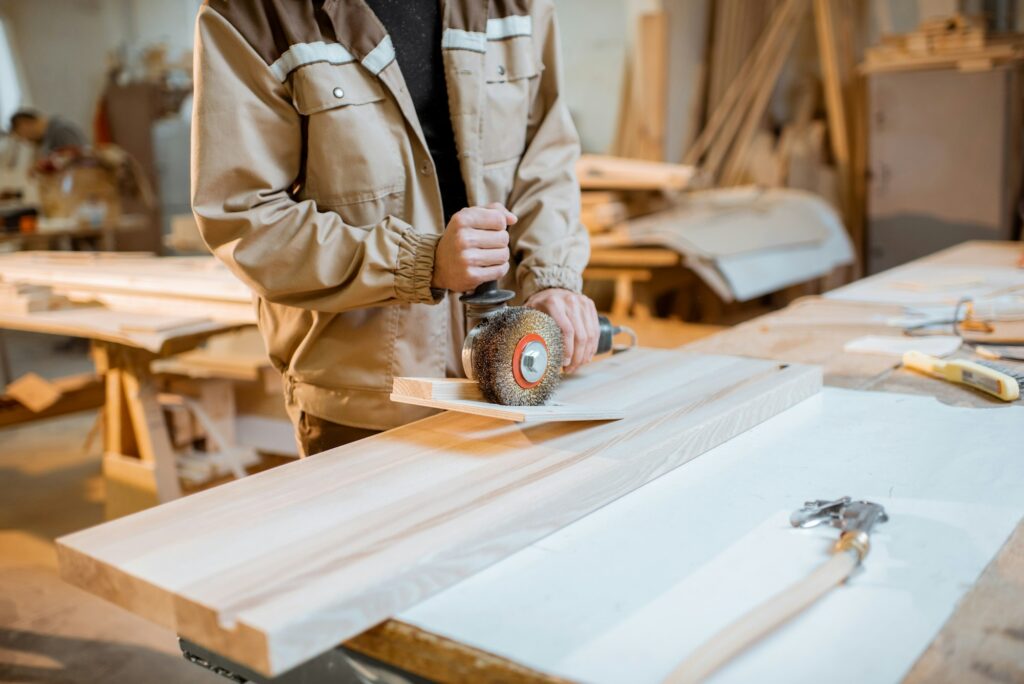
(312, 182)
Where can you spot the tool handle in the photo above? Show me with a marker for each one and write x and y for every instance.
(486, 296)
(764, 619)
(606, 340)
(983, 378)
(922, 362)
(483, 288)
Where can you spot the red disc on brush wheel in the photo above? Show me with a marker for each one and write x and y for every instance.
(517, 360)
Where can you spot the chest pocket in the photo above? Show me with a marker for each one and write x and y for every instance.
(510, 71)
(352, 135)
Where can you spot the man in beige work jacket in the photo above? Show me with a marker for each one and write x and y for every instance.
(359, 163)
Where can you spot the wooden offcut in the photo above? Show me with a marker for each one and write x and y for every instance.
(464, 396)
(279, 567)
(34, 392)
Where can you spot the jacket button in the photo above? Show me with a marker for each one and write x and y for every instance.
(501, 70)
(338, 93)
(425, 168)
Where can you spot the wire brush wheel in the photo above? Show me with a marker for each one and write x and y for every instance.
(501, 372)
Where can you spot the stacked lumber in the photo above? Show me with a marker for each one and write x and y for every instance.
(736, 26)
(24, 297)
(723, 147)
(599, 172)
(617, 189)
(136, 282)
(956, 41)
(741, 144)
(602, 211)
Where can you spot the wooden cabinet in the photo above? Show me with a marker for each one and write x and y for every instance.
(944, 160)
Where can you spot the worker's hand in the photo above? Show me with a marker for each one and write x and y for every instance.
(473, 249)
(576, 315)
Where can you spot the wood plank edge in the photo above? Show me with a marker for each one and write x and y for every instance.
(441, 659)
(120, 588)
(504, 413)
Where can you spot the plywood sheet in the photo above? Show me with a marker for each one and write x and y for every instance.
(282, 566)
(464, 396)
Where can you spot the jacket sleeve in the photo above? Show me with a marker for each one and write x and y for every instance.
(550, 244)
(246, 153)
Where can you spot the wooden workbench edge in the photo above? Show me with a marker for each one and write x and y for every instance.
(441, 659)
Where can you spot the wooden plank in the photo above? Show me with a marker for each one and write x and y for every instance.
(81, 393)
(159, 324)
(97, 323)
(34, 392)
(149, 428)
(463, 396)
(281, 566)
(201, 278)
(634, 257)
(446, 389)
(835, 110)
(601, 172)
(652, 53)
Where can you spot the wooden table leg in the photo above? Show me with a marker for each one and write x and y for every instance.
(5, 362)
(138, 460)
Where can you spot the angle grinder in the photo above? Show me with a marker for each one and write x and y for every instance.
(515, 352)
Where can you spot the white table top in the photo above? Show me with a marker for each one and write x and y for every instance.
(627, 592)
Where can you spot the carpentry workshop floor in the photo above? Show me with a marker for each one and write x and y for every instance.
(50, 485)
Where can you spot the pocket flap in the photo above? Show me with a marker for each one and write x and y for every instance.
(320, 86)
(510, 59)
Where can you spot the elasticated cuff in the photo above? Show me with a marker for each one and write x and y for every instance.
(416, 267)
(534, 280)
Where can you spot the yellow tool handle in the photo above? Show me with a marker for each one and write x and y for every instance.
(968, 373)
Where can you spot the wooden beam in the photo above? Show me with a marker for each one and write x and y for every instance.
(835, 110)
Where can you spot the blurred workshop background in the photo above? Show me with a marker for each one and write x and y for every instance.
(739, 155)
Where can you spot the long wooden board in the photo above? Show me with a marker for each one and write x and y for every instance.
(152, 332)
(464, 396)
(281, 566)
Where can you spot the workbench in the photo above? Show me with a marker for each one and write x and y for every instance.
(138, 458)
(145, 317)
(574, 600)
(982, 638)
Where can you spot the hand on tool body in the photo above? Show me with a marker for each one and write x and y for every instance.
(473, 248)
(576, 315)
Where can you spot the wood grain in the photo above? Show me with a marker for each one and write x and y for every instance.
(281, 566)
(464, 396)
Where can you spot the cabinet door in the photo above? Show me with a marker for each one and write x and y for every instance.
(942, 161)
